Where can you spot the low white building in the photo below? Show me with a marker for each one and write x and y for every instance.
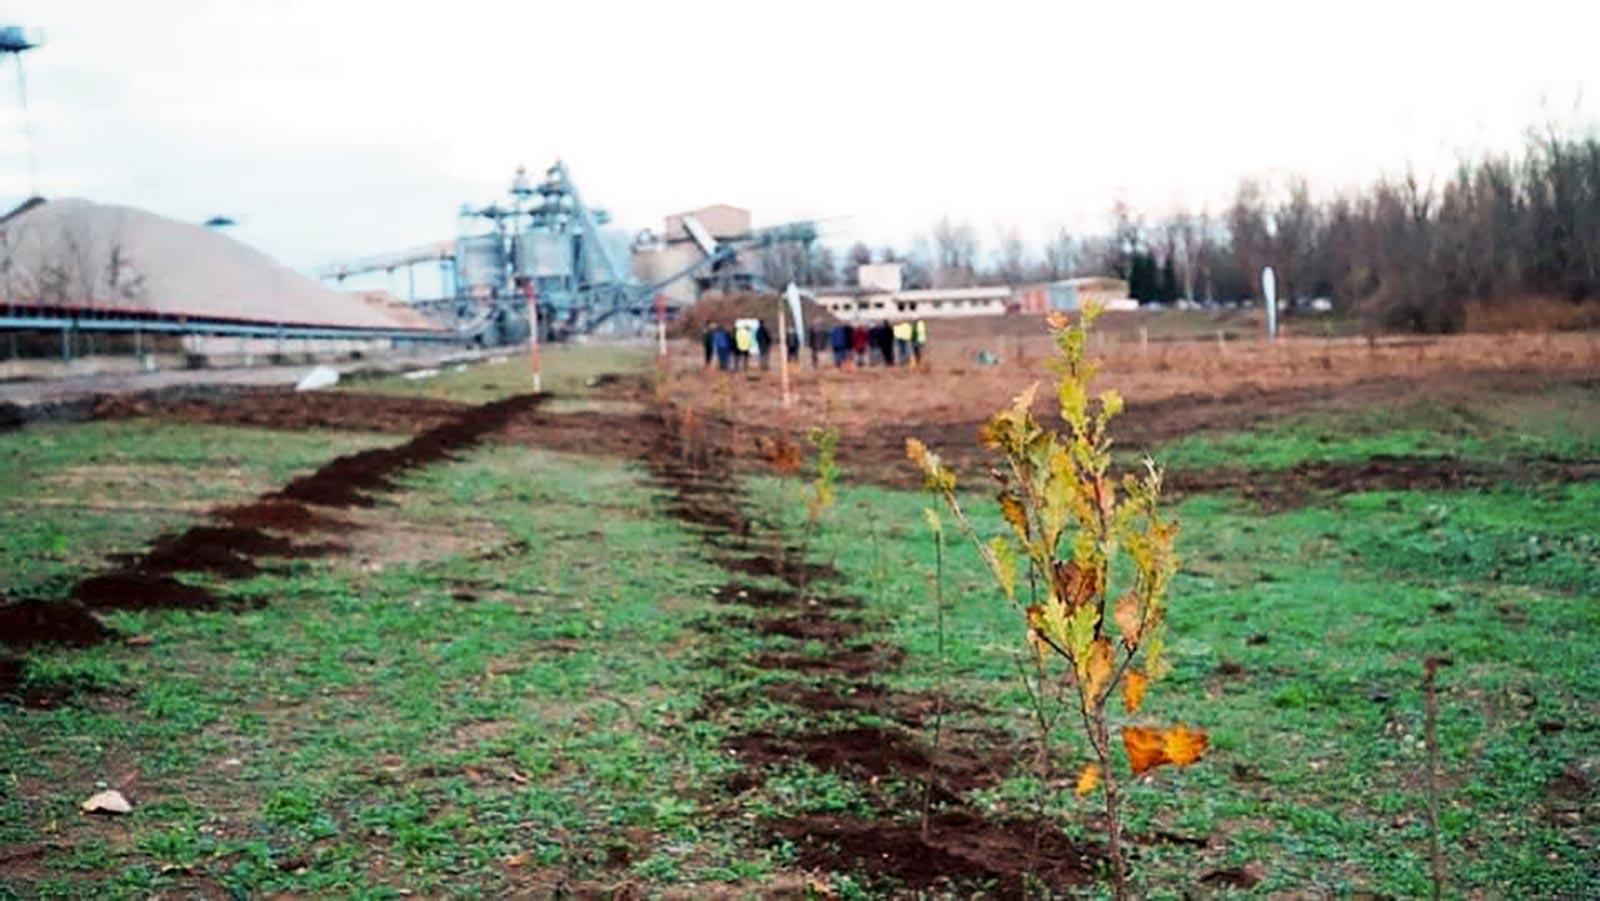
(879, 295)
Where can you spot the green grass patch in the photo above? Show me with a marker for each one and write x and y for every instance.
(1560, 424)
(72, 494)
(565, 369)
(1298, 641)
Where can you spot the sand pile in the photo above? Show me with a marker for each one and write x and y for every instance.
(76, 253)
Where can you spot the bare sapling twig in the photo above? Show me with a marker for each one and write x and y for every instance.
(937, 526)
(1069, 520)
(1430, 733)
(825, 441)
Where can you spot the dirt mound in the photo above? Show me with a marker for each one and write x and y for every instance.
(795, 572)
(697, 316)
(860, 660)
(141, 591)
(280, 515)
(809, 627)
(780, 598)
(909, 708)
(226, 551)
(24, 623)
(959, 850)
(350, 480)
(873, 752)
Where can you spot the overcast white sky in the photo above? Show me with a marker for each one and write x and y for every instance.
(340, 128)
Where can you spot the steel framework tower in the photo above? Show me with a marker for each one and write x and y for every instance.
(15, 41)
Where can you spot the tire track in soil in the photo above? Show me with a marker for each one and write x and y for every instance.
(960, 848)
(275, 525)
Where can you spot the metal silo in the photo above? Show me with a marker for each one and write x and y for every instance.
(481, 264)
(544, 254)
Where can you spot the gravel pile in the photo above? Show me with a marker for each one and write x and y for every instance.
(77, 253)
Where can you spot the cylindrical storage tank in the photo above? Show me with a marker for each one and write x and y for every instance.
(481, 263)
(544, 254)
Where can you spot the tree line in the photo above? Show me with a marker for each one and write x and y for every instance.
(1406, 253)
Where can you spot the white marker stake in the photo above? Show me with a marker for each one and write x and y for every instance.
(1269, 292)
(533, 335)
(661, 324)
(783, 354)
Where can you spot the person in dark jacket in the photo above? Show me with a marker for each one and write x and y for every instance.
(792, 348)
(886, 342)
(816, 337)
(722, 345)
(840, 342)
(708, 339)
(763, 344)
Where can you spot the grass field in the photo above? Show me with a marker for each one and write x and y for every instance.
(528, 672)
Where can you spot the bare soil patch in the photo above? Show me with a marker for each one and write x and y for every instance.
(134, 590)
(818, 626)
(281, 515)
(763, 597)
(24, 623)
(790, 570)
(857, 660)
(960, 849)
(910, 708)
(287, 410)
(875, 753)
(1298, 486)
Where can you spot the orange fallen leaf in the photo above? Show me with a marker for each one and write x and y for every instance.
(1149, 748)
(1185, 745)
(517, 777)
(519, 859)
(1144, 747)
(1088, 780)
(1134, 685)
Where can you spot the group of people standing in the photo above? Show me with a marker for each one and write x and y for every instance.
(884, 344)
(733, 348)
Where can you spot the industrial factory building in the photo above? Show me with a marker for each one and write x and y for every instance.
(682, 244)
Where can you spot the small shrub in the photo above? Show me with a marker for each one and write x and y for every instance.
(1069, 520)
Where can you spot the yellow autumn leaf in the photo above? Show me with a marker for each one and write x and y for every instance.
(1088, 780)
(1015, 514)
(1129, 615)
(1134, 685)
(1078, 634)
(1099, 675)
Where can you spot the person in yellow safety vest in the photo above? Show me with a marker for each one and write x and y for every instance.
(902, 342)
(742, 342)
(919, 337)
